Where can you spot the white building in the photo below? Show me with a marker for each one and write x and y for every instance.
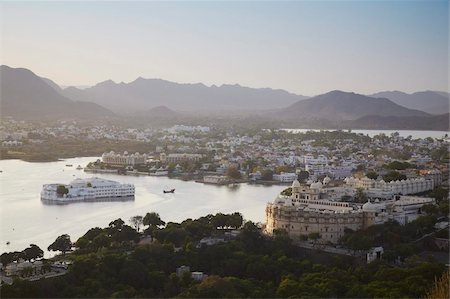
(316, 166)
(125, 159)
(285, 177)
(183, 128)
(178, 158)
(408, 186)
(87, 189)
(308, 210)
(215, 179)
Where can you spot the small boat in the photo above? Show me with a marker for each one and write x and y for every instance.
(79, 167)
(7, 243)
(169, 191)
(69, 165)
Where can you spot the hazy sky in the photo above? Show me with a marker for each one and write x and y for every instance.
(303, 47)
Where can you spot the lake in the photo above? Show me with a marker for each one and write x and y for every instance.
(371, 133)
(25, 220)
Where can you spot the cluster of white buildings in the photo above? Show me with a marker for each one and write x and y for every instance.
(320, 165)
(183, 128)
(382, 189)
(285, 177)
(18, 268)
(178, 158)
(124, 159)
(11, 143)
(310, 210)
(87, 190)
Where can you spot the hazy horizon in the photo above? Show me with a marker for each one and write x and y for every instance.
(305, 48)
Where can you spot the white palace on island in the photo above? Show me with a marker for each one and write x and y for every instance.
(92, 189)
(313, 208)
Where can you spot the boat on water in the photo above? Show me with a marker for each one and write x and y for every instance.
(79, 167)
(92, 189)
(69, 165)
(169, 191)
(7, 243)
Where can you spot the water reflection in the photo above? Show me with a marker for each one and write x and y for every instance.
(25, 219)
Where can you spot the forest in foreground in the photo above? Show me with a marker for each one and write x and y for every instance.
(115, 262)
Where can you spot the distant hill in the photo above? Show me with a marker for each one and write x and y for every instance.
(338, 106)
(52, 84)
(429, 101)
(434, 122)
(26, 96)
(143, 94)
(161, 111)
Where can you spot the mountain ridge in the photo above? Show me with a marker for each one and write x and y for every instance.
(142, 94)
(24, 95)
(433, 102)
(338, 105)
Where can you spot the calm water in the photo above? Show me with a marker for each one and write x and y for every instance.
(25, 220)
(371, 133)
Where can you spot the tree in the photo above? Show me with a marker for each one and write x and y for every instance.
(152, 219)
(282, 168)
(236, 220)
(314, 236)
(430, 209)
(62, 190)
(32, 252)
(360, 195)
(267, 175)
(303, 175)
(137, 221)
(394, 176)
(117, 223)
(62, 243)
(233, 173)
(360, 167)
(372, 175)
(287, 191)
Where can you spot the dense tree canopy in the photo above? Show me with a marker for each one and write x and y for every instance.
(110, 263)
(62, 243)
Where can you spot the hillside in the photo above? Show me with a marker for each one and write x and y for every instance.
(26, 96)
(338, 105)
(143, 94)
(434, 122)
(429, 101)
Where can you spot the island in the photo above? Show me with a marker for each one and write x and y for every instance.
(92, 189)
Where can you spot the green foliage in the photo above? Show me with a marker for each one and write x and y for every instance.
(62, 243)
(62, 190)
(31, 253)
(137, 221)
(360, 195)
(233, 173)
(250, 266)
(303, 175)
(439, 194)
(394, 176)
(287, 191)
(266, 174)
(440, 154)
(283, 168)
(372, 175)
(397, 165)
